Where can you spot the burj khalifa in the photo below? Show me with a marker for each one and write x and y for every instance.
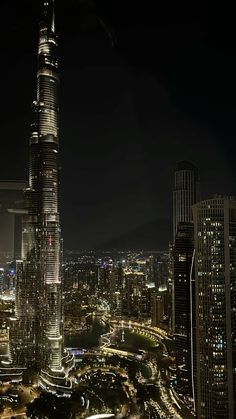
(36, 333)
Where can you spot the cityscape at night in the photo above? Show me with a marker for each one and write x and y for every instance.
(117, 213)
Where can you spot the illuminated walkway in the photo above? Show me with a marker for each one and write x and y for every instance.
(103, 415)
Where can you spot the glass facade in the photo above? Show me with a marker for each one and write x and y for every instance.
(215, 264)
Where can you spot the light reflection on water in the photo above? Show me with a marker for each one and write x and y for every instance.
(87, 339)
(90, 339)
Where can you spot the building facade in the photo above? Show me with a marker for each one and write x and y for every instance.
(215, 275)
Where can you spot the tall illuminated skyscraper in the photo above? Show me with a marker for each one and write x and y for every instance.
(37, 330)
(215, 278)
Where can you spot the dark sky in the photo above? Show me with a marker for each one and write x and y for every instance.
(141, 88)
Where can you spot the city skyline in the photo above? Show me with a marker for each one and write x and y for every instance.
(142, 334)
(123, 150)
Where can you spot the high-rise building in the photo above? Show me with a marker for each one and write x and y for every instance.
(37, 330)
(184, 307)
(11, 208)
(215, 276)
(186, 193)
(115, 289)
(135, 295)
(170, 288)
(157, 309)
(1, 279)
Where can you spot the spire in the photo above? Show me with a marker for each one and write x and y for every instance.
(53, 16)
(49, 14)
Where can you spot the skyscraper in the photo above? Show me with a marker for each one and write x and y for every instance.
(215, 276)
(184, 307)
(186, 193)
(11, 203)
(37, 330)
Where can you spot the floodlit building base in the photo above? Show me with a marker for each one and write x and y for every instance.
(9, 373)
(57, 381)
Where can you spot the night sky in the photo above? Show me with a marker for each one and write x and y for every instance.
(141, 88)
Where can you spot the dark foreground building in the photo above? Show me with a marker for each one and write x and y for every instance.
(36, 334)
(186, 193)
(184, 306)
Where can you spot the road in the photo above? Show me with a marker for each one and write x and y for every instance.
(26, 394)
